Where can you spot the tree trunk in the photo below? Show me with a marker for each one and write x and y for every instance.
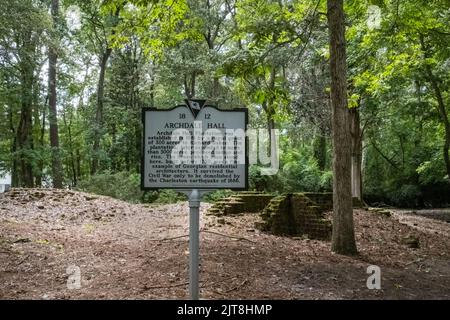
(78, 162)
(356, 153)
(215, 89)
(39, 127)
(136, 109)
(320, 150)
(25, 143)
(57, 174)
(72, 156)
(99, 112)
(24, 131)
(100, 98)
(152, 92)
(14, 172)
(343, 237)
(189, 85)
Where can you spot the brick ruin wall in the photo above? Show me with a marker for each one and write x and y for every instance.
(298, 215)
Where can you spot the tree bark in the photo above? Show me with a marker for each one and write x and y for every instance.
(215, 89)
(356, 153)
(99, 112)
(343, 236)
(189, 85)
(57, 173)
(25, 139)
(320, 150)
(14, 172)
(38, 132)
(39, 126)
(72, 156)
(78, 162)
(104, 57)
(24, 131)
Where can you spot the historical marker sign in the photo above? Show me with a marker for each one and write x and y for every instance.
(194, 146)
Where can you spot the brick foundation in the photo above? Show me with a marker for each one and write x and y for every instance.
(242, 202)
(298, 215)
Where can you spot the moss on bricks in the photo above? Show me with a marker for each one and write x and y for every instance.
(242, 202)
(296, 215)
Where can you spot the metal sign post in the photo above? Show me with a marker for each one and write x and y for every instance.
(194, 226)
(194, 240)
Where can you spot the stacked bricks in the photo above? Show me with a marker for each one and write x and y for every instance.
(298, 215)
(242, 202)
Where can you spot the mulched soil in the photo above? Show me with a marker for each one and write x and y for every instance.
(135, 251)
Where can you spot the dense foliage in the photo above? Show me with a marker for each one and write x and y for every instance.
(116, 57)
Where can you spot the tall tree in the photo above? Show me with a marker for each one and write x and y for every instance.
(100, 21)
(24, 131)
(343, 237)
(356, 136)
(105, 53)
(57, 173)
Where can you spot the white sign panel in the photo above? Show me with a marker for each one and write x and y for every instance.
(5, 181)
(194, 147)
(5, 178)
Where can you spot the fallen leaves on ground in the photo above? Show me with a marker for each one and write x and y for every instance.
(136, 251)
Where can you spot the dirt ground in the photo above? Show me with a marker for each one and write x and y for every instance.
(127, 251)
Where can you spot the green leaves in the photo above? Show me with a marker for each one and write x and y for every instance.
(158, 24)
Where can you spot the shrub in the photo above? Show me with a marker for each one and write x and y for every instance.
(301, 175)
(217, 195)
(126, 186)
(167, 196)
(122, 185)
(257, 181)
(407, 195)
(326, 181)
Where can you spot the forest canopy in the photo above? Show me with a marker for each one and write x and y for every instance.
(75, 75)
